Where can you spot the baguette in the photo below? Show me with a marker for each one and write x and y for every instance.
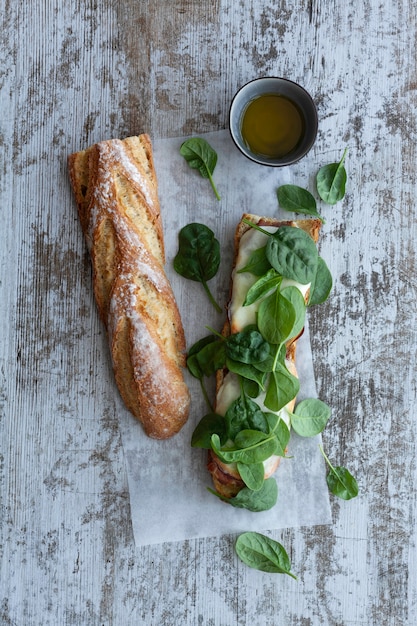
(115, 188)
(225, 476)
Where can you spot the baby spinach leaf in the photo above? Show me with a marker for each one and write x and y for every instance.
(263, 553)
(202, 157)
(294, 295)
(342, 484)
(255, 501)
(298, 200)
(244, 413)
(248, 372)
(250, 446)
(250, 387)
(252, 475)
(282, 388)
(321, 285)
(281, 431)
(255, 445)
(331, 181)
(276, 318)
(210, 358)
(210, 424)
(340, 481)
(247, 346)
(198, 256)
(310, 417)
(257, 263)
(293, 254)
(193, 364)
(267, 282)
(270, 363)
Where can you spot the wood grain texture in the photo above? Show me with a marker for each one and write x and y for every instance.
(78, 72)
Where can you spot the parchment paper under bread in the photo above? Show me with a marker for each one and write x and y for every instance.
(168, 480)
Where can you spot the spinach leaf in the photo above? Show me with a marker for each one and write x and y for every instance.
(321, 285)
(198, 256)
(331, 181)
(340, 481)
(248, 372)
(279, 428)
(244, 413)
(294, 295)
(257, 263)
(209, 359)
(255, 501)
(267, 282)
(263, 553)
(194, 368)
(250, 387)
(255, 446)
(247, 346)
(310, 417)
(250, 446)
(202, 157)
(276, 318)
(274, 357)
(210, 424)
(282, 388)
(193, 364)
(293, 253)
(298, 200)
(252, 475)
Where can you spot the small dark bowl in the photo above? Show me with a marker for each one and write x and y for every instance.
(283, 87)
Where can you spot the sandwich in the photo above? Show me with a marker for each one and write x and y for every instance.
(277, 274)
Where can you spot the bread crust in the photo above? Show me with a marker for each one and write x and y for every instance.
(115, 188)
(226, 478)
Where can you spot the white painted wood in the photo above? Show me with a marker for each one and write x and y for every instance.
(73, 73)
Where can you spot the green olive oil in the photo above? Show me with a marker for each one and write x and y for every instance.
(272, 126)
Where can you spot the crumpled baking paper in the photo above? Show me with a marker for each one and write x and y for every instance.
(168, 480)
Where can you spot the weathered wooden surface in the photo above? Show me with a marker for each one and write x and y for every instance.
(76, 72)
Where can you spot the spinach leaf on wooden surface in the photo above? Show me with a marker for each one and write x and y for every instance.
(340, 481)
(331, 181)
(298, 200)
(263, 553)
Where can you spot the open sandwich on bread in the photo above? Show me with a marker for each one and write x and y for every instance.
(274, 278)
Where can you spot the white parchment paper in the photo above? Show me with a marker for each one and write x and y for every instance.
(168, 480)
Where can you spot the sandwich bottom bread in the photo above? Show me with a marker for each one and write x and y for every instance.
(277, 273)
(115, 187)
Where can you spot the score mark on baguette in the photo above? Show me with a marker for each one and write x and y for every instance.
(115, 188)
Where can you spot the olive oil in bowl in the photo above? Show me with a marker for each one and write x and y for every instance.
(272, 126)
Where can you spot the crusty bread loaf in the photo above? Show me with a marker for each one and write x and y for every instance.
(115, 187)
(226, 478)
